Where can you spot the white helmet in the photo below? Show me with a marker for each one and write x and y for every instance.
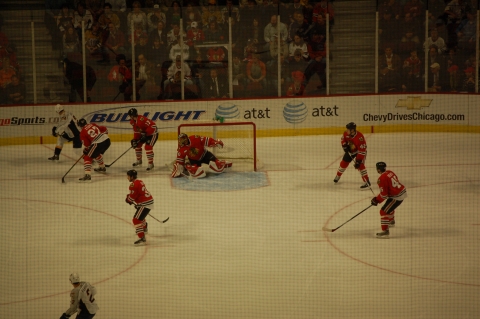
(74, 278)
(59, 108)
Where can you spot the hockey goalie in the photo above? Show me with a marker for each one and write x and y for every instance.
(194, 149)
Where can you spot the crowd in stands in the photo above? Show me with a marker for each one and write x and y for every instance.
(450, 46)
(154, 27)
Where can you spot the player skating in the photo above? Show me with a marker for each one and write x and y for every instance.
(194, 149)
(96, 142)
(144, 132)
(65, 131)
(143, 201)
(82, 299)
(355, 147)
(391, 190)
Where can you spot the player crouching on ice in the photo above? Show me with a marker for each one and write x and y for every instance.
(66, 131)
(193, 148)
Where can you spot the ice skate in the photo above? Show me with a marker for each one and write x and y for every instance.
(336, 179)
(140, 241)
(85, 179)
(137, 163)
(54, 158)
(150, 167)
(384, 234)
(100, 170)
(365, 186)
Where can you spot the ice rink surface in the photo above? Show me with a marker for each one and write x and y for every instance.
(253, 253)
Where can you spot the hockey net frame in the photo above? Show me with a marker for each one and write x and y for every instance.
(240, 141)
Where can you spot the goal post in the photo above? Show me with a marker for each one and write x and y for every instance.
(239, 138)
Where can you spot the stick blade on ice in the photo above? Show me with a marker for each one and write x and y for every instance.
(328, 229)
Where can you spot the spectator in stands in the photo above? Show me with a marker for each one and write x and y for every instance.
(434, 39)
(64, 19)
(173, 36)
(142, 46)
(466, 32)
(387, 28)
(436, 82)
(6, 74)
(15, 91)
(74, 74)
(322, 8)
(453, 74)
(144, 75)
(173, 89)
(239, 74)
(256, 74)
(409, 42)
(390, 60)
(137, 17)
(468, 83)
(94, 39)
(157, 53)
(235, 13)
(270, 32)
(412, 72)
(178, 67)
(215, 86)
(298, 44)
(121, 75)
(177, 50)
(95, 7)
(415, 8)
(174, 13)
(137, 33)
(71, 42)
(82, 15)
(192, 15)
(297, 88)
(252, 34)
(159, 33)
(271, 7)
(320, 26)
(108, 17)
(52, 8)
(153, 18)
(198, 73)
(299, 26)
(435, 57)
(392, 6)
(195, 36)
(436, 16)
(115, 42)
(317, 50)
(297, 63)
(214, 34)
(211, 14)
(216, 57)
(454, 11)
(296, 7)
(118, 6)
(274, 50)
(249, 12)
(408, 23)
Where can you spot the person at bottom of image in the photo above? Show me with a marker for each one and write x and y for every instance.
(193, 148)
(65, 131)
(355, 147)
(143, 201)
(96, 142)
(144, 132)
(393, 192)
(82, 299)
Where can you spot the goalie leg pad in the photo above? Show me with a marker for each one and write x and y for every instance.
(195, 171)
(217, 166)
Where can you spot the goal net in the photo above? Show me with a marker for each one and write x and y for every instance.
(239, 140)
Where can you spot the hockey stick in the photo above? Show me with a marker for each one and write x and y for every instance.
(108, 165)
(332, 230)
(63, 178)
(353, 160)
(163, 222)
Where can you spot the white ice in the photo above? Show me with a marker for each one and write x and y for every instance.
(258, 253)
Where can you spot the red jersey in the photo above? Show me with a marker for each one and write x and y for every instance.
(93, 134)
(143, 125)
(357, 144)
(196, 149)
(390, 187)
(139, 194)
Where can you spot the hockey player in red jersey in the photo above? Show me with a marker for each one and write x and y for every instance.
(355, 147)
(393, 192)
(194, 148)
(143, 201)
(96, 142)
(144, 132)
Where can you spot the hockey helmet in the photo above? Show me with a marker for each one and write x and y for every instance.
(132, 112)
(59, 108)
(132, 173)
(381, 166)
(81, 122)
(351, 126)
(183, 140)
(74, 278)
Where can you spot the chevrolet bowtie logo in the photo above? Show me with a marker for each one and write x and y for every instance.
(413, 103)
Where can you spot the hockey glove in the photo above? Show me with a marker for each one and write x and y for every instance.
(54, 131)
(128, 201)
(345, 147)
(374, 201)
(64, 316)
(134, 143)
(219, 144)
(357, 165)
(86, 150)
(143, 139)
